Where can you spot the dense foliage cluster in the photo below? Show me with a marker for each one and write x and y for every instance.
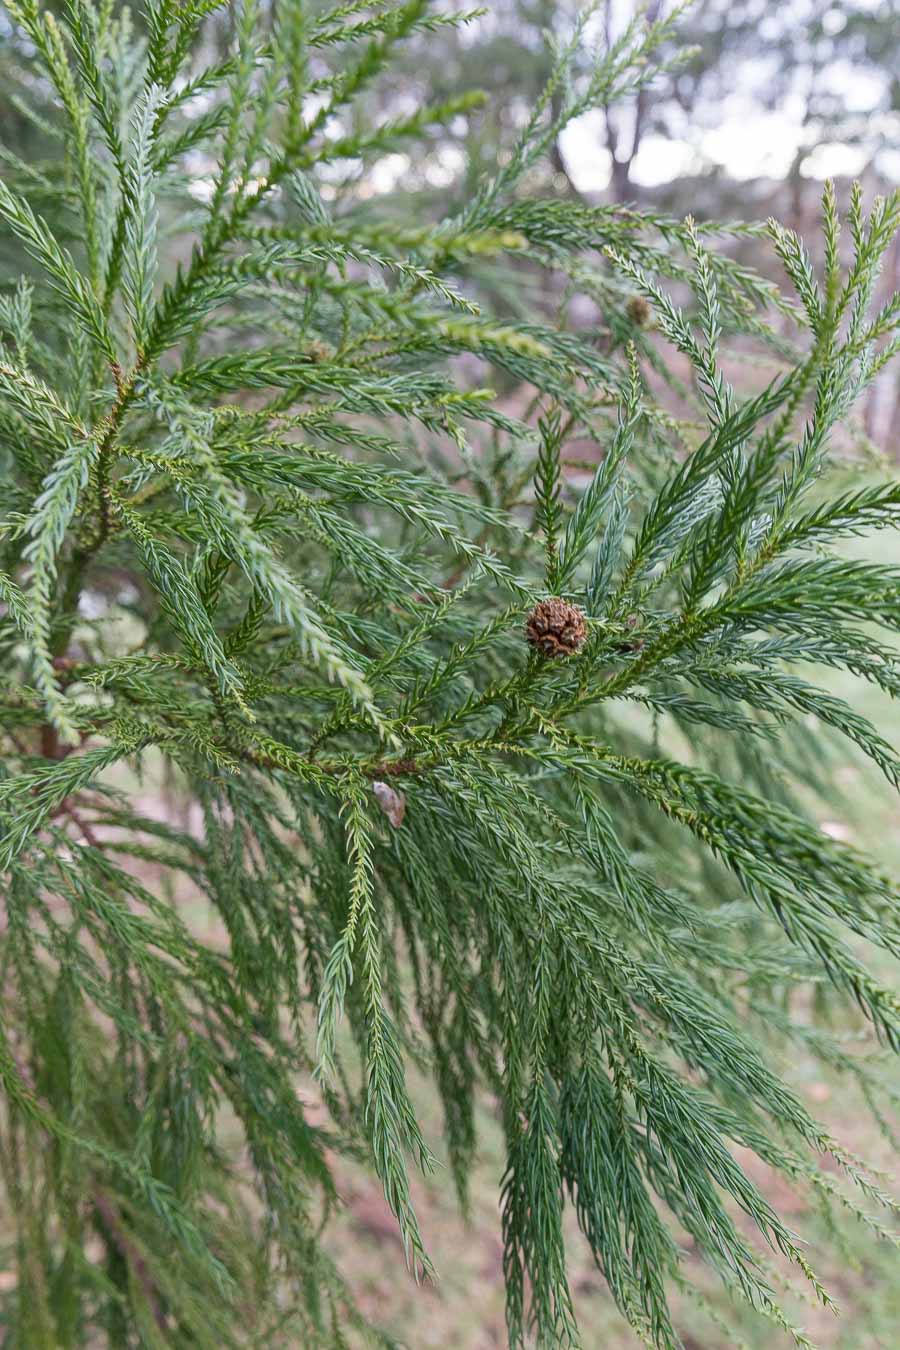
(280, 494)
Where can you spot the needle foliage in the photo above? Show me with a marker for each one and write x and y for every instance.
(280, 489)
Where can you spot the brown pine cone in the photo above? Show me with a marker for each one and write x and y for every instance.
(556, 628)
(639, 311)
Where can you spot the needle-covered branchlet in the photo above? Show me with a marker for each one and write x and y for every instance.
(291, 803)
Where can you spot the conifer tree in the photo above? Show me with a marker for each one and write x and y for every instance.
(483, 771)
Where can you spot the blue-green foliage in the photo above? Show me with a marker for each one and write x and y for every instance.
(278, 496)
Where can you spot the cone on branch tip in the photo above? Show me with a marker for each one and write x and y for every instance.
(556, 628)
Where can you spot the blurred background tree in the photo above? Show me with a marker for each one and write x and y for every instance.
(764, 103)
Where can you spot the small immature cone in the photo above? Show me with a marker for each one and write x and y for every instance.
(639, 311)
(634, 644)
(556, 628)
(392, 803)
